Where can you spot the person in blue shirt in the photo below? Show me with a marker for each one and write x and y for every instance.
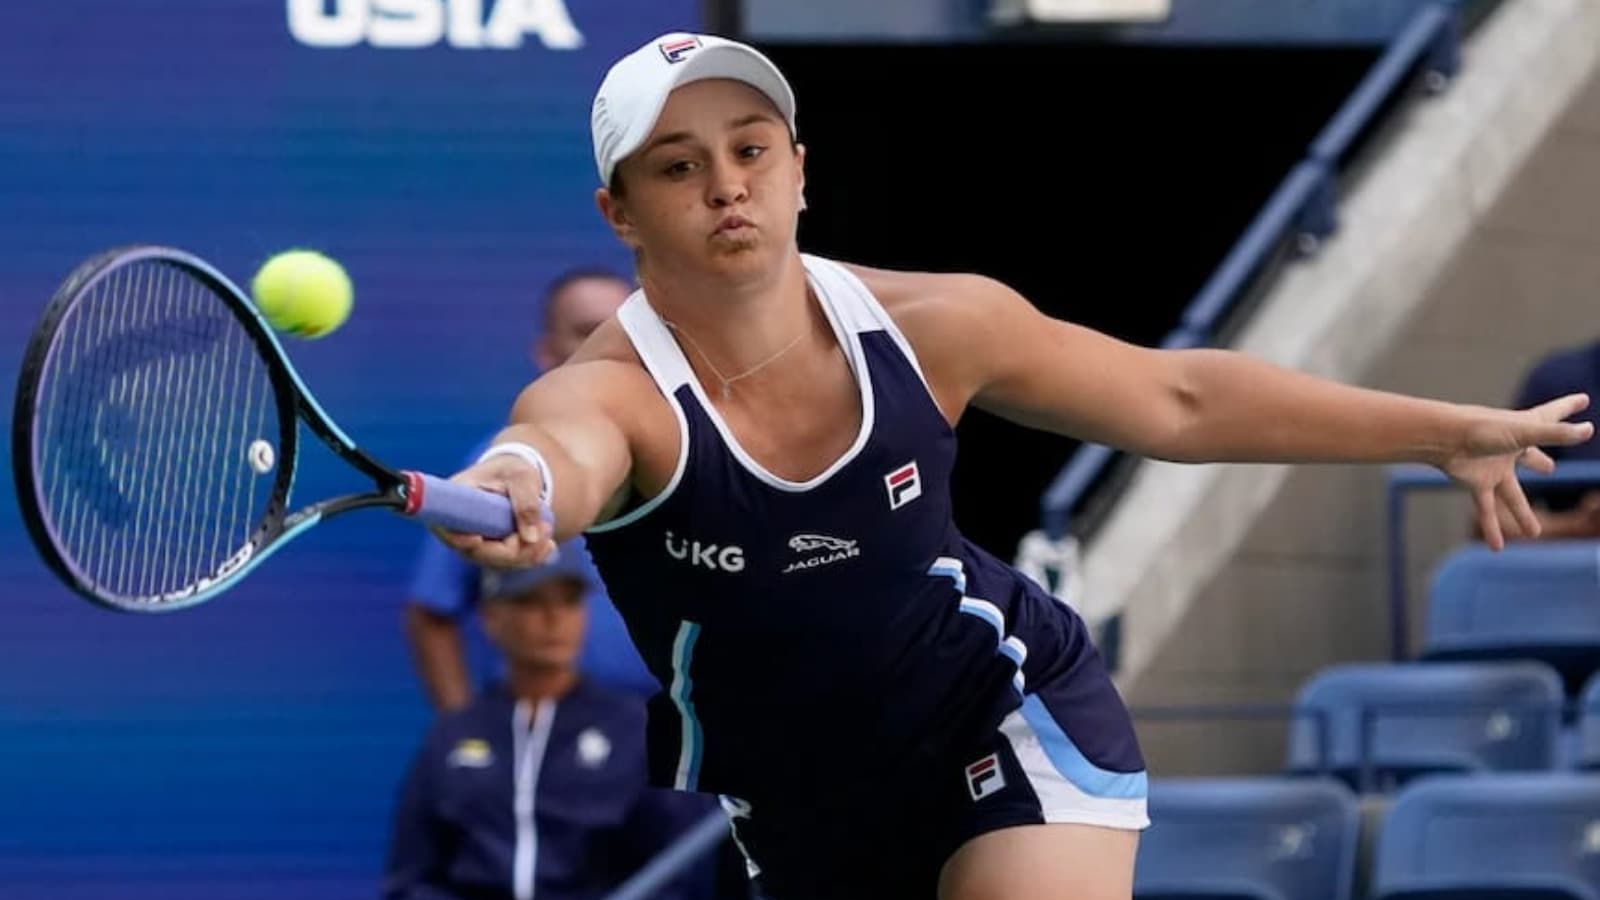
(537, 787)
(451, 655)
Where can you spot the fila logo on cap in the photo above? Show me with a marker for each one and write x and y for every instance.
(984, 777)
(904, 484)
(677, 51)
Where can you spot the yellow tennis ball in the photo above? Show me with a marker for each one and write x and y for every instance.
(303, 293)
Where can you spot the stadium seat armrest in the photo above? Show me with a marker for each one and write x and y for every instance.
(1545, 888)
(1204, 889)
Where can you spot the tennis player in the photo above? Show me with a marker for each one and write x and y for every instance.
(888, 710)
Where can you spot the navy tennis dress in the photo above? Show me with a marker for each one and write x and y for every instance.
(865, 688)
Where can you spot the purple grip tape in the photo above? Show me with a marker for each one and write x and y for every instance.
(457, 507)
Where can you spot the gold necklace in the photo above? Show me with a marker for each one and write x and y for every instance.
(727, 383)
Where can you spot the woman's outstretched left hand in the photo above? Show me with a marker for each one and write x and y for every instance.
(1493, 443)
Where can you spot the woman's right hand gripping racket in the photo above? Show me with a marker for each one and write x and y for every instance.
(155, 435)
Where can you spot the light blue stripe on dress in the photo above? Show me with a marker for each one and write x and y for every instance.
(1073, 765)
(688, 776)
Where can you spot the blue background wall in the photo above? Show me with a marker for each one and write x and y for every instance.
(250, 747)
(1194, 22)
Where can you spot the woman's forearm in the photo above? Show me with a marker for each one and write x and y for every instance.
(1240, 409)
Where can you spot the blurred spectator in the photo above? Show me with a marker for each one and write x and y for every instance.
(444, 586)
(1567, 513)
(538, 787)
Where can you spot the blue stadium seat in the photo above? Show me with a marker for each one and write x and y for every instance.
(1586, 755)
(1386, 723)
(1506, 837)
(1530, 601)
(1248, 839)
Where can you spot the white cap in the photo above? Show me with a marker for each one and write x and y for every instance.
(636, 88)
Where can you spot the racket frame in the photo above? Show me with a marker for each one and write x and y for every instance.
(294, 402)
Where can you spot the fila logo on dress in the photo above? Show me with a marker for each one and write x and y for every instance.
(904, 485)
(984, 777)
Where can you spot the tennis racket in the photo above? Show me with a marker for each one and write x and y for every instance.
(155, 435)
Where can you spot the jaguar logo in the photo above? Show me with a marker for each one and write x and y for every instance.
(825, 549)
(804, 543)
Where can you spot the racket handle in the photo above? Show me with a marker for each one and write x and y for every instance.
(458, 507)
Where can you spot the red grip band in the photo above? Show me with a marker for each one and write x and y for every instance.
(414, 491)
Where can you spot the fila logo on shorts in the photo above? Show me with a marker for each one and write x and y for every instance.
(984, 777)
(904, 485)
(675, 51)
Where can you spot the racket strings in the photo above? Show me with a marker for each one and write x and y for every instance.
(153, 397)
(171, 535)
(135, 391)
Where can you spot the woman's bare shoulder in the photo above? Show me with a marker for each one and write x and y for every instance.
(921, 300)
(608, 342)
(607, 371)
(945, 317)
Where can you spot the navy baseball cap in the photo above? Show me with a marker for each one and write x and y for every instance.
(570, 561)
